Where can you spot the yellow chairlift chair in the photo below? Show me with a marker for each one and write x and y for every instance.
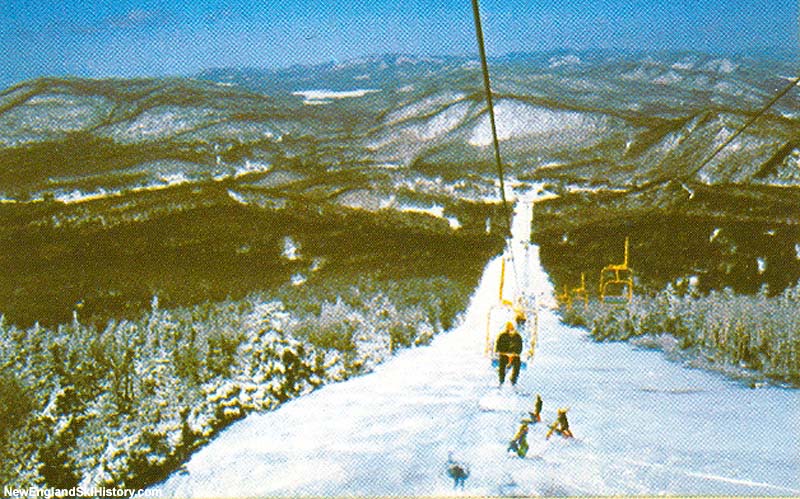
(567, 297)
(564, 298)
(581, 293)
(616, 282)
(515, 311)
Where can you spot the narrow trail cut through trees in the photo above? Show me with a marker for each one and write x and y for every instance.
(643, 425)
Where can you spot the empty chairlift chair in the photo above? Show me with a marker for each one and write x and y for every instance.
(616, 282)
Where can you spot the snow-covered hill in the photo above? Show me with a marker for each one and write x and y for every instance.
(588, 117)
(638, 116)
(644, 426)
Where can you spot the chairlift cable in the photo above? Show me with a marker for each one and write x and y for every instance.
(749, 122)
(725, 144)
(492, 122)
(500, 172)
(490, 105)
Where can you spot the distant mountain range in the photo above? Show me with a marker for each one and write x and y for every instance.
(579, 117)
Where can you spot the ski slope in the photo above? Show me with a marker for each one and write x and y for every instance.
(643, 425)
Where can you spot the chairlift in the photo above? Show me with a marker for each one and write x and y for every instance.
(515, 311)
(568, 296)
(518, 307)
(616, 282)
(564, 298)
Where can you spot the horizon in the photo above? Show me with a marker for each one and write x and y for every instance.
(156, 38)
(776, 54)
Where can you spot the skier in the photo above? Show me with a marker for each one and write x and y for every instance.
(536, 415)
(457, 471)
(508, 348)
(560, 425)
(519, 444)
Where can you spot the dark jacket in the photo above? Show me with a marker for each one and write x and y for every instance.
(509, 343)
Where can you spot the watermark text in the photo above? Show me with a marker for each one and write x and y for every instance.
(48, 492)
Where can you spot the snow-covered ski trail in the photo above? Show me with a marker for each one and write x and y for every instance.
(644, 426)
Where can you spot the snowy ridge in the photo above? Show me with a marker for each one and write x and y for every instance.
(644, 426)
(160, 123)
(48, 114)
(568, 107)
(517, 120)
(424, 106)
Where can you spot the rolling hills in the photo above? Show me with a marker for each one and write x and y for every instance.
(399, 143)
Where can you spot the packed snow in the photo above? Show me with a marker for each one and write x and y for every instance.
(150, 176)
(237, 197)
(278, 178)
(250, 167)
(78, 196)
(593, 188)
(232, 130)
(643, 425)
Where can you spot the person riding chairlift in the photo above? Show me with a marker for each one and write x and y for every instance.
(508, 348)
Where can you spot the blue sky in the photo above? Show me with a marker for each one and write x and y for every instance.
(177, 37)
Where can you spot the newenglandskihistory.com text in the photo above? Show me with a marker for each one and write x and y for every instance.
(49, 492)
